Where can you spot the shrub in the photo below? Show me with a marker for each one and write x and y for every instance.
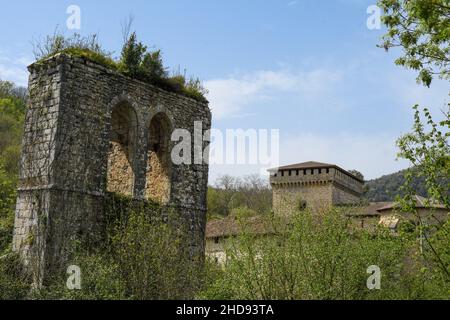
(146, 256)
(152, 66)
(311, 256)
(135, 61)
(7, 202)
(76, 45)
(14, 282)
(132, 55)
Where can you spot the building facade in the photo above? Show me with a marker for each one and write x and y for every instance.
(313, 185)
(91, 131)
(318, 186)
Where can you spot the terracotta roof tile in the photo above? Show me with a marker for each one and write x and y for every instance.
(230, 226)
(421, 202)
(314, 165)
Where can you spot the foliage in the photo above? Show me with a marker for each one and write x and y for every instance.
(76, 45)
(14, 283)
(230, 193)
(388, 187)
(132, 56)
(427, 148)
(357, 174)
(152, 65)
(135, 61)
(316, 257)
(145, 257)
(7, 202)
(138, 62)
(429, 152)
(12, 109)
(422, 29)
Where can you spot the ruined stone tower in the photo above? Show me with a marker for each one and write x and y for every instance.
(88, 131)
(314, 185)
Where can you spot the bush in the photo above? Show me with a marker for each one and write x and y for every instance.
(314, 256)
(14, 283)
(135, 61)
(132, 55)
(230, 193)
(145, 257)
(152, 66)
(7, 204)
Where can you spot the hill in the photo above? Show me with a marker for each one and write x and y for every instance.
(388, 187)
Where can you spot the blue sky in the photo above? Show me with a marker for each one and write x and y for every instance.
(309, 68)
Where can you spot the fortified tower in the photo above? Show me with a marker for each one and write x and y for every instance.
(314, 185)
(91, 131)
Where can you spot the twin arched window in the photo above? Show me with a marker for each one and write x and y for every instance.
(122, 158)
(122, 147)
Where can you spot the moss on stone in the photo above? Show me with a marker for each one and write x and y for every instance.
(169, 84)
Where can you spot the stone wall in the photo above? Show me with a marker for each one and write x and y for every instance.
(315, 188)
(74, 152)
(289, 199)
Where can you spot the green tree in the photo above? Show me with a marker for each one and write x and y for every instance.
(428, 150)
(152, 66)
(132, 55)
(313, 256)
(422, 29)
(357, 174)
(7, 202)
(12, 109)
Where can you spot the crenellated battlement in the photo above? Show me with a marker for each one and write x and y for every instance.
(313, 184)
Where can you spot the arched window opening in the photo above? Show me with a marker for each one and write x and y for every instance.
(122, 146)
(158, 164)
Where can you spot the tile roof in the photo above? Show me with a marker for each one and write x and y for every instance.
(314, 165)
(230, 226)
(420, 203)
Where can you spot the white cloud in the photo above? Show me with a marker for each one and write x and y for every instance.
(372, 155)
(14, 69)
(408, 92)
(229, 96)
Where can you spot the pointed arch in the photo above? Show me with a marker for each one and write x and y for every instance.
(122, 149)
(159, 164)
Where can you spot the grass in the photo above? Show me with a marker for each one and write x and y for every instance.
(89, 48)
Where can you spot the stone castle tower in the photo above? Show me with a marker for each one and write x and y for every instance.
(88, 131)
(314, 185)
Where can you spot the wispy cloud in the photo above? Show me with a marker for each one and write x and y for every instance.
(292, 3)
(409, 93)
(14, 69)
(231, 95)
(372, 155)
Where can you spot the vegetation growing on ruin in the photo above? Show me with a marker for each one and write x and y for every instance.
(136, 61)
(312, 257)
(144, 256)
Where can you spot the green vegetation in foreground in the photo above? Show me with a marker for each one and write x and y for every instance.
(320, 256)
(12, 114)
(314, 256)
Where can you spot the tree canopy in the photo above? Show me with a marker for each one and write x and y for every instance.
(422, 29)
